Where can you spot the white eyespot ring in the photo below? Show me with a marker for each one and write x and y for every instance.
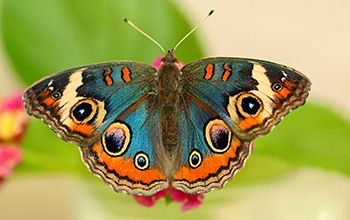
(195, 159)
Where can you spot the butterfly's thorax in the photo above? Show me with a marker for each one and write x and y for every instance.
(169, 96)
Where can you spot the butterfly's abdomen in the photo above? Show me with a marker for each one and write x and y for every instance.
(169, 96)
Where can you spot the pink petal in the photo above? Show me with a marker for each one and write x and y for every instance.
(13, 119)
(14, 102)
(157, 61)
(145, 200)
(161, 194)
(10, 156)
(192, 202)
(189, 201)
(178, 195)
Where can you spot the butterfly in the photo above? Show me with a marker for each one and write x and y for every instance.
(142, 129)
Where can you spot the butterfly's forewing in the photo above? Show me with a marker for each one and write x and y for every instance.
(251, 96)
(78, 104)
(107, 110)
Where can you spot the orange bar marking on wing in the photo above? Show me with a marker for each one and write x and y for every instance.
(126, 74)
(227, 72)
(108, 79)
(209, 71)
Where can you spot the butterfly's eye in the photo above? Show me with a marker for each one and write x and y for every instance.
(116, 139)
(56, 95)
(277, 87)
(84, 111)
(249, 105)
(218, 136)
(141, 161)
(195, 159)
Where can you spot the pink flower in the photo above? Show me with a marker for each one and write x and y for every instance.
(13, 122)
(13, 118)
(13, 103)
(150, 200)
(10, 156)
(188, 201)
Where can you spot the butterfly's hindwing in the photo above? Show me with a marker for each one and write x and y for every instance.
(127, 155)
(211, 153)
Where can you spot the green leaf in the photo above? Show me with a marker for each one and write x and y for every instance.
(44, 151)
(310, 136)
(43, 37)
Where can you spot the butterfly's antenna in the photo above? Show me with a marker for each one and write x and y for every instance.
(143, 33)
(189, 33)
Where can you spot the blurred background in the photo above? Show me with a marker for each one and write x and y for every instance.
(299, 171)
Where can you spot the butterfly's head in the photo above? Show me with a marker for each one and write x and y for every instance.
(170, 59)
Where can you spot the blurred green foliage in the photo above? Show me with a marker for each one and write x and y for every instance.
(43, 37)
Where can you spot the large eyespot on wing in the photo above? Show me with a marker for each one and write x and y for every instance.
(78, 104)
(126, 155)
(251, 96)
(211, 153)
(278, 91)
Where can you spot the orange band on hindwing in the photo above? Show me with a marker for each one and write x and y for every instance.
(125, 167)
(210, 165)
(126, 74)
(209, 71)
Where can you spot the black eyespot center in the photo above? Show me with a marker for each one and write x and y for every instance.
(82, 111)
(277, 87)
(250, 105)
(141, 161)
(195, 159)
(114, 140)
(219, 136)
